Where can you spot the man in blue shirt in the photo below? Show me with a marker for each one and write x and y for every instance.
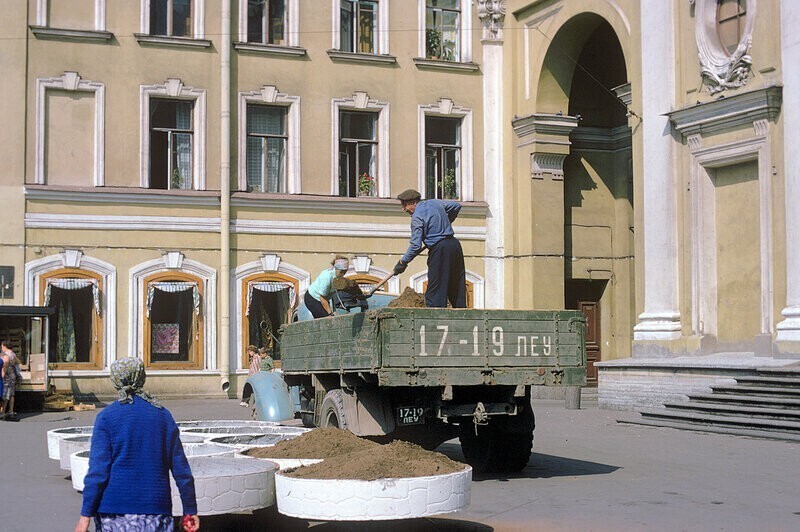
(431, 227)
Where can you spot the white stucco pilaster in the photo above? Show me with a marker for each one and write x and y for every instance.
(661, 318)
(492, 15)
(788, 330)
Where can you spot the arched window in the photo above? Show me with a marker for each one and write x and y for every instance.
(173, 320)
(366, 282)
(268, 300)
(76, 329)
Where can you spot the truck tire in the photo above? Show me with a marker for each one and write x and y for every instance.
(494, 451)
(332, 412)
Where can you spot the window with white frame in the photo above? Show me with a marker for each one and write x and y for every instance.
(266, 148)
(266, 22)
(171, 138)
(172, 141)
(448, 28)
(269, 141)
(358, 148)
(445, 151)
(442, 157)
(76, 14)
(358, 24)
(173, 18)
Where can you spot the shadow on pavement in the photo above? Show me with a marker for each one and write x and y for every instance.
(270, 519)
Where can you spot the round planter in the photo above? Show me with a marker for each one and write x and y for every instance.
(72, 444)
(194, 450)
(372, 500)
(225, 485)
(55, 435)
(79, 466)
(284, 463)
(247, 441)
(201, 423)
(191, 438)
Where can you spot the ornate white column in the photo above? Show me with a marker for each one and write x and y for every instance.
(492, 16)
(661, 318)
(789, 329)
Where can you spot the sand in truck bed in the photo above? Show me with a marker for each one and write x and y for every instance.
(346, 456)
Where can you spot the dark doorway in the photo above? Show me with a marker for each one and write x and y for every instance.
(267, 312)
(584, 295)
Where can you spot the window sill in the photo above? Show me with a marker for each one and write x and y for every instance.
(357, 57)
(165, 40)
(270, 49)
(437, 64)
(58, 34)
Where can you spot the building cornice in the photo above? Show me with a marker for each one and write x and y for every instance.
(545, 124)
(44, 32)
(729, 112)
(601, 138)
(122, 195)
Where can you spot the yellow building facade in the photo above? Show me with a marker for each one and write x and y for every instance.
(178, 172)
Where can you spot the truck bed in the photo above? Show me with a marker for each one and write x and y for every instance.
(437, 347)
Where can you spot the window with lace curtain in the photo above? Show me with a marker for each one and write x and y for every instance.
(266, 148)
(173, 325)
(171, 137)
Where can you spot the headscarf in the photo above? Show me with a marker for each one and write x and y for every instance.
(128, 376)
(341, 264)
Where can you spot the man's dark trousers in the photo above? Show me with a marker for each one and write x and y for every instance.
(446, 276)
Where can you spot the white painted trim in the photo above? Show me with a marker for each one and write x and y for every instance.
(465, 33)
(290, 21)
(238, 226)
(360, 101)
(198, 18)
(121, 223)
(382, 38)
(137, 296)
(269, 95)
(42, 9)
(445, 107)
(302, 277)
(173, 88)
(418, 280)
(76, 259)
(71, 81)
(703, 208)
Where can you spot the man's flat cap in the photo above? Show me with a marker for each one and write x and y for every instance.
(409, 195)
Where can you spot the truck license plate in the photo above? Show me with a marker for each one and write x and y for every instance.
(411, 415)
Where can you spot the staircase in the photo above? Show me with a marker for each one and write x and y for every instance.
(763, 405)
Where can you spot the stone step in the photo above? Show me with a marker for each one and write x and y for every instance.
(736, 431)
(760, 380)
(737, 410)
(743, 399)
(722, 420)
(771, 391)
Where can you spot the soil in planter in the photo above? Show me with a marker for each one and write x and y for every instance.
(408, 299)
(398, 459)
(318, 443)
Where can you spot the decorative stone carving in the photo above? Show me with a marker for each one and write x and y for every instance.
(361, 264)
(492, 14)
(547, 163)
(270, 262)
(71, 258)
(173, 260)
(720, 69)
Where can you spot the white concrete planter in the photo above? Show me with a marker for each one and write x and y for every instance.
(54, 437)
(226, 485)
(247, 441)
(194, 450)
(191, 438)
(283, 463)
(372, 500)
(79, 466)
(204, 423)
(72, 444)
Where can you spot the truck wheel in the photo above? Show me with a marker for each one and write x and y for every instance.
(493, 451)
(332, 412)
(308, 420)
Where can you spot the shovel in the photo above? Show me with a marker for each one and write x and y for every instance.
(380, 284)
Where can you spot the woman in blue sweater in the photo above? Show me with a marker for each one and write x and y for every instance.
(135, 445)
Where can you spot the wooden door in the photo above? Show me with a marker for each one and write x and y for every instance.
(591, 309)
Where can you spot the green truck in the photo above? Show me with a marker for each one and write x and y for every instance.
(428, 375)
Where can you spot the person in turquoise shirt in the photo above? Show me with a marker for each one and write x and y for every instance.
(318, 295)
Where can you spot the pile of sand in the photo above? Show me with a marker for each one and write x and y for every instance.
(319, 443)
(346, 456)
(408, 299)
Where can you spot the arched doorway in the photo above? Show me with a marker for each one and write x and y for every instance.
(584, 77)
